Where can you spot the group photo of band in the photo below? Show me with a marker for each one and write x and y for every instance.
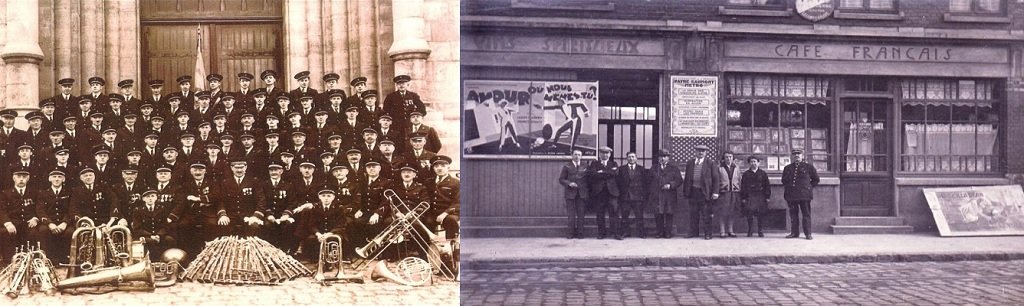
(718, 193)
(181, 168)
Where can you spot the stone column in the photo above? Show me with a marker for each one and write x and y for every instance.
(353, 49)
(327, 27)
(3, 64)
(298, 45)
(410, 49)
(315, 40)
(129, 45)
(111, 40)
(90, 34)
(22, 55)
(62, 45)
(339, 40)
(367, 43)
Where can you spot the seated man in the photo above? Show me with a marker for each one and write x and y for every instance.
(326, 216)
(444, 210)
(149, 223)
(54, 212)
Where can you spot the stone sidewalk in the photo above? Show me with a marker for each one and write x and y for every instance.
(561, 252)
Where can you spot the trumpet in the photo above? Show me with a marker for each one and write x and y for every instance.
(20, 260)
(330, 259)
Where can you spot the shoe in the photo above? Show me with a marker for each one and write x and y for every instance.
(760, 235)
(618, 237)
(809, 237)
(689, 236)
(732, 235)
(708, 237)
(792, 236)
(600, 236)
(749, 234)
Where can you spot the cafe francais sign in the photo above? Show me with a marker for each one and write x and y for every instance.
(815, 10)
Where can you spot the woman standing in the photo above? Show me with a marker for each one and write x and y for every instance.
(729, 198)
(754, 192)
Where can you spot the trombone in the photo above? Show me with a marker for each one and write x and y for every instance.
(431, 245)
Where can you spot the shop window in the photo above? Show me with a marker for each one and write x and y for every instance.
(768, 116)
(629, 129)
(950, 125)
(868, 5)
(865, 135)
(976, 6)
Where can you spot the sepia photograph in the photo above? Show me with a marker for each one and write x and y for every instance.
(229, 152)
(745, 152)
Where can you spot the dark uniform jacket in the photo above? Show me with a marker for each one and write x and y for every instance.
(445, 196)
(97, 203)
(373, 196)
(321, 219)
(399, 106)
(603, 177)
(411, 196)
(54, 207)
(146, 223)
(278, 197)
(127, 199)
(755, 183)
(573, 174)
(18, 208)
(170, 196)
(433, 140)
(799, 180)
(348, 193)
(241, 200)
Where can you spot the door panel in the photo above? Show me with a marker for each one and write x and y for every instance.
(245, 48)
(866, 165)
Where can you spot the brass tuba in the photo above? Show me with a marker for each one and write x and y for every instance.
(330, 260)
(118, 277)
(119, 244)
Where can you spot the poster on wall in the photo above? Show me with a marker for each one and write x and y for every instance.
(694, 106)
(529, 119)
(977, 211)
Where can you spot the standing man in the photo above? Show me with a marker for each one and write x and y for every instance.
(403, 102)
(701, 183)
(573, 180)
(664, 180)
(633, 187)
(604, 191)
(66, 102)
(799, 179)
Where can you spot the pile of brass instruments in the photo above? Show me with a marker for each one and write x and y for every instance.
(94, 248)
(248, 260)
(440, 252)
(29, 271)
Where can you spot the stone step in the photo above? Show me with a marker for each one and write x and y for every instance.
(871, 229)
(539, 221)
(878, 221)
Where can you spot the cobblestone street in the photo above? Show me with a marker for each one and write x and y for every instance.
(918, 283)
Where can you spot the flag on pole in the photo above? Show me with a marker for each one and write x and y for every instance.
(199, 78)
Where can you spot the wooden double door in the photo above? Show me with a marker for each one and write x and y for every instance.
(866, 171)
(169, 51)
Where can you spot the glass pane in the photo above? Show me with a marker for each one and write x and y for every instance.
(792, 115)
(881, 4)
(959, 5)
(766, 115)
(964, 113)
(989, 6)
(738, 114)
(912, 112)
(819, 116)
(605, 112)
(851, 4)
(939, 112)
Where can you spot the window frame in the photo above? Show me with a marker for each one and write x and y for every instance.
(975, 9)
(865, 8)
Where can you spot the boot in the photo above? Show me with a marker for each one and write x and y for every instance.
(750, 226)
(640, 227)
(759, 232)
(659, 222)
(668, 225)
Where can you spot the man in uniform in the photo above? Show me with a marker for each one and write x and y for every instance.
(369, 111)
(149, 223)
(156, 97)
(419, 156)
(99, 99)
(19, 213)
(403, 102)
(54, 212)
(604, 191)
(444, 208)
(799, 179)
(303, 89)
(186, 94)
(664, 181)
(66, 101)
(701, 183)
(269, 78)
(93, 199)
(327, 215)
(633, 194)
(131, 102)
(433, 140)
(245, 90)
(129, 190)
(197, 210)
(216, 93)
(243, 202)
(573, 181)
(278, 193)
(323, 100)
(387, 133)
(356, 99)
(374, 204)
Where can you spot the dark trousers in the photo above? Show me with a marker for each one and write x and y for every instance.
(637, 208)
(280, 235)
(24, 236)
(803, 208)
(700, 212)
(606, 204)
(575, 208)
(57, 246)
(156, 249)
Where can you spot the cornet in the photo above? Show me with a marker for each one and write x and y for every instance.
(330, 259)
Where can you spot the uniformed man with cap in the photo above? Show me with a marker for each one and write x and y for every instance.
(302, 151)
(245, 90)
(96, 95)
(403, 102)
(66, 101)
(356, 99)
(325, 215)
(388, 158)
(146, 113)
(128, 189)
(282, 107)
(204, 110)
(131, 101)
(278, 194)
(302, 78)
(10, 137)
(37, 136)
(106, 174)
(243, 202)
(173, 107)
(72, 136)
(348, 193)
(93, 199)
(149, 224)
(62, 161)
(335, 107)
(325, 163)
(798, 180)
(351, 128)
(433, 140)
(664, 180)
(46, 151)
(19, 215)
(321, 128)
(179, 169)
(197, 211)
(250, 152)
(156, 98)
(419, 155)
(115, 146)
(604, 192)
(114, 116)
(187, 148)
(55, 219)
(323, 100)
(701, 183)
(305, 186)
(306, 109)
(213, 81)
(386, 132)
(48, 109)
(152, 149)
(269, 78)
(230, 110)
(354, 161)
(369, 144)
(374, 182)
(370, 110)
(261, 107)
(134, 161)
(131, 132)
(25, 160)
(444, 205)
(408, 187)
(185, 92)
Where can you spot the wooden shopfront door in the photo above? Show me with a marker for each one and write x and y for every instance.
(866, 174)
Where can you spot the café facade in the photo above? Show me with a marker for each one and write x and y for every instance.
(885, 101)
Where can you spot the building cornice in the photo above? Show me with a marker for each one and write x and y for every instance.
(471, 22)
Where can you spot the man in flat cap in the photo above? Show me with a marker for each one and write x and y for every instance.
(358, 86)
(701, 183)
(99, 99)
(403, 102)
(604, 192)
(243, 202)
(799, 179)
(323, 100)
(664, 180)
(216, 92)
(156, 97)
(54, 212)
(131, 102)
(303, 90)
